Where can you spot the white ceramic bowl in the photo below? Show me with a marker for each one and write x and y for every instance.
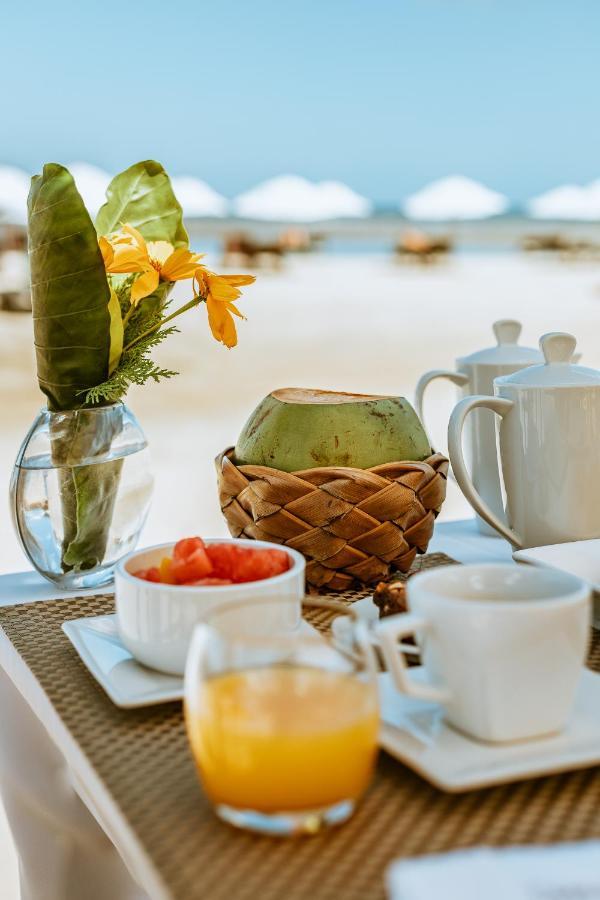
(156, 621)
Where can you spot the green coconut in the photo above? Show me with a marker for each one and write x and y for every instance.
(294, 429)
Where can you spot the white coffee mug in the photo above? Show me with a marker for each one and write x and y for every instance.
(502, 645)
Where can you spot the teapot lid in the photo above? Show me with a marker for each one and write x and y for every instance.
(557, 370)
(507, 352)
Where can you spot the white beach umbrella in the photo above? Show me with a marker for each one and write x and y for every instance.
(91, 183)
(14, 187)
(569, 201)
(291, 198)
(284, 198)
(197, 198)
(342, 201)
(454, 197)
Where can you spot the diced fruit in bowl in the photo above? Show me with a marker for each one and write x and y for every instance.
(242, 564)
(190, 561)
(151, 574)
(157, 613)
(194, 563)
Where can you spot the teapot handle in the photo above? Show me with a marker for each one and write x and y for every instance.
(457, 378)
(455, 429)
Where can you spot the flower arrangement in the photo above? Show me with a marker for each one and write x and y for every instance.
(100, 294)
(101, 304)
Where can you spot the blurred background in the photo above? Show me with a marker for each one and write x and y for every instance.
(397, 174)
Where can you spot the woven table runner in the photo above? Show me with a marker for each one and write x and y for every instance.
(143, 760)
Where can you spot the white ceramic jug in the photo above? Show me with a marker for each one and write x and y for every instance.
(475, 375)
(549, 438)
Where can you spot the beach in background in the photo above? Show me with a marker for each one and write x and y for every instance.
(354, 321)
(380, 233)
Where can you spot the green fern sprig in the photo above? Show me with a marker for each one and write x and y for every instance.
(144, 330)
(135, 367)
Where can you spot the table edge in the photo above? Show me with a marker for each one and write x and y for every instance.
(137, 861)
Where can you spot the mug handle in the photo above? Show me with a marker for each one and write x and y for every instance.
(457, 378)
(500, 406)
(389, 631)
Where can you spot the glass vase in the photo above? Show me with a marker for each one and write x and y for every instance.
(80, 493)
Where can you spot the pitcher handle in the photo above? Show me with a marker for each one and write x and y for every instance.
(455, 430)
(457, 378)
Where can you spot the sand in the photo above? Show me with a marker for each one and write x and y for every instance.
(352, 323)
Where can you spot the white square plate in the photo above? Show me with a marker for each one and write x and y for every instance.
(580, 558)
(128, 683)
(414, 732)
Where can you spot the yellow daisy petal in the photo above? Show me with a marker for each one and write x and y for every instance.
(136, 235)
(235, 311)
(220, 290)
(127, 258)
(119, 237)
(221, 287)
(108, 254)
(238, 280)
(144, 285)
(221, 323)
(180, 264)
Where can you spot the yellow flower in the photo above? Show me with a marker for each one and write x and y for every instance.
(220, 291)
(126, 251)
(108, 254)
(119, 256)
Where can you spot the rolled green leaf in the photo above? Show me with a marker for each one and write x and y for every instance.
(88, 481)
(142, 196)
(72, 329)
(69, 291)
(95, 488)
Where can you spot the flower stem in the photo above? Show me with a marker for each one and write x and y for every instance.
(128, 314)
(195, 301)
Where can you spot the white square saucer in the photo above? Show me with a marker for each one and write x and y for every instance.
(127, 682)
(415, 732)
(580, 558)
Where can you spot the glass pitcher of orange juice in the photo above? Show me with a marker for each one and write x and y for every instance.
(283, 724)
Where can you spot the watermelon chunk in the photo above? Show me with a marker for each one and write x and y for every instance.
(151, 574)
(186, 546)
(222, 557)
(242, 564)
(256, 565)
(191, 568)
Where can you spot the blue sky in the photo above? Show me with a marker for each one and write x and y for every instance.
(383, 94)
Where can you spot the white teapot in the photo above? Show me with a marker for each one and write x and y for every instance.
(475, 374)
(549, 439)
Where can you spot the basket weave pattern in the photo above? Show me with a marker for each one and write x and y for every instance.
(352, 525)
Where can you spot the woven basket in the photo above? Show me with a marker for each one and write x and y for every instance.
(352, 525)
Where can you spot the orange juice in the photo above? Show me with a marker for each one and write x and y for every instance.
(284, 738)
